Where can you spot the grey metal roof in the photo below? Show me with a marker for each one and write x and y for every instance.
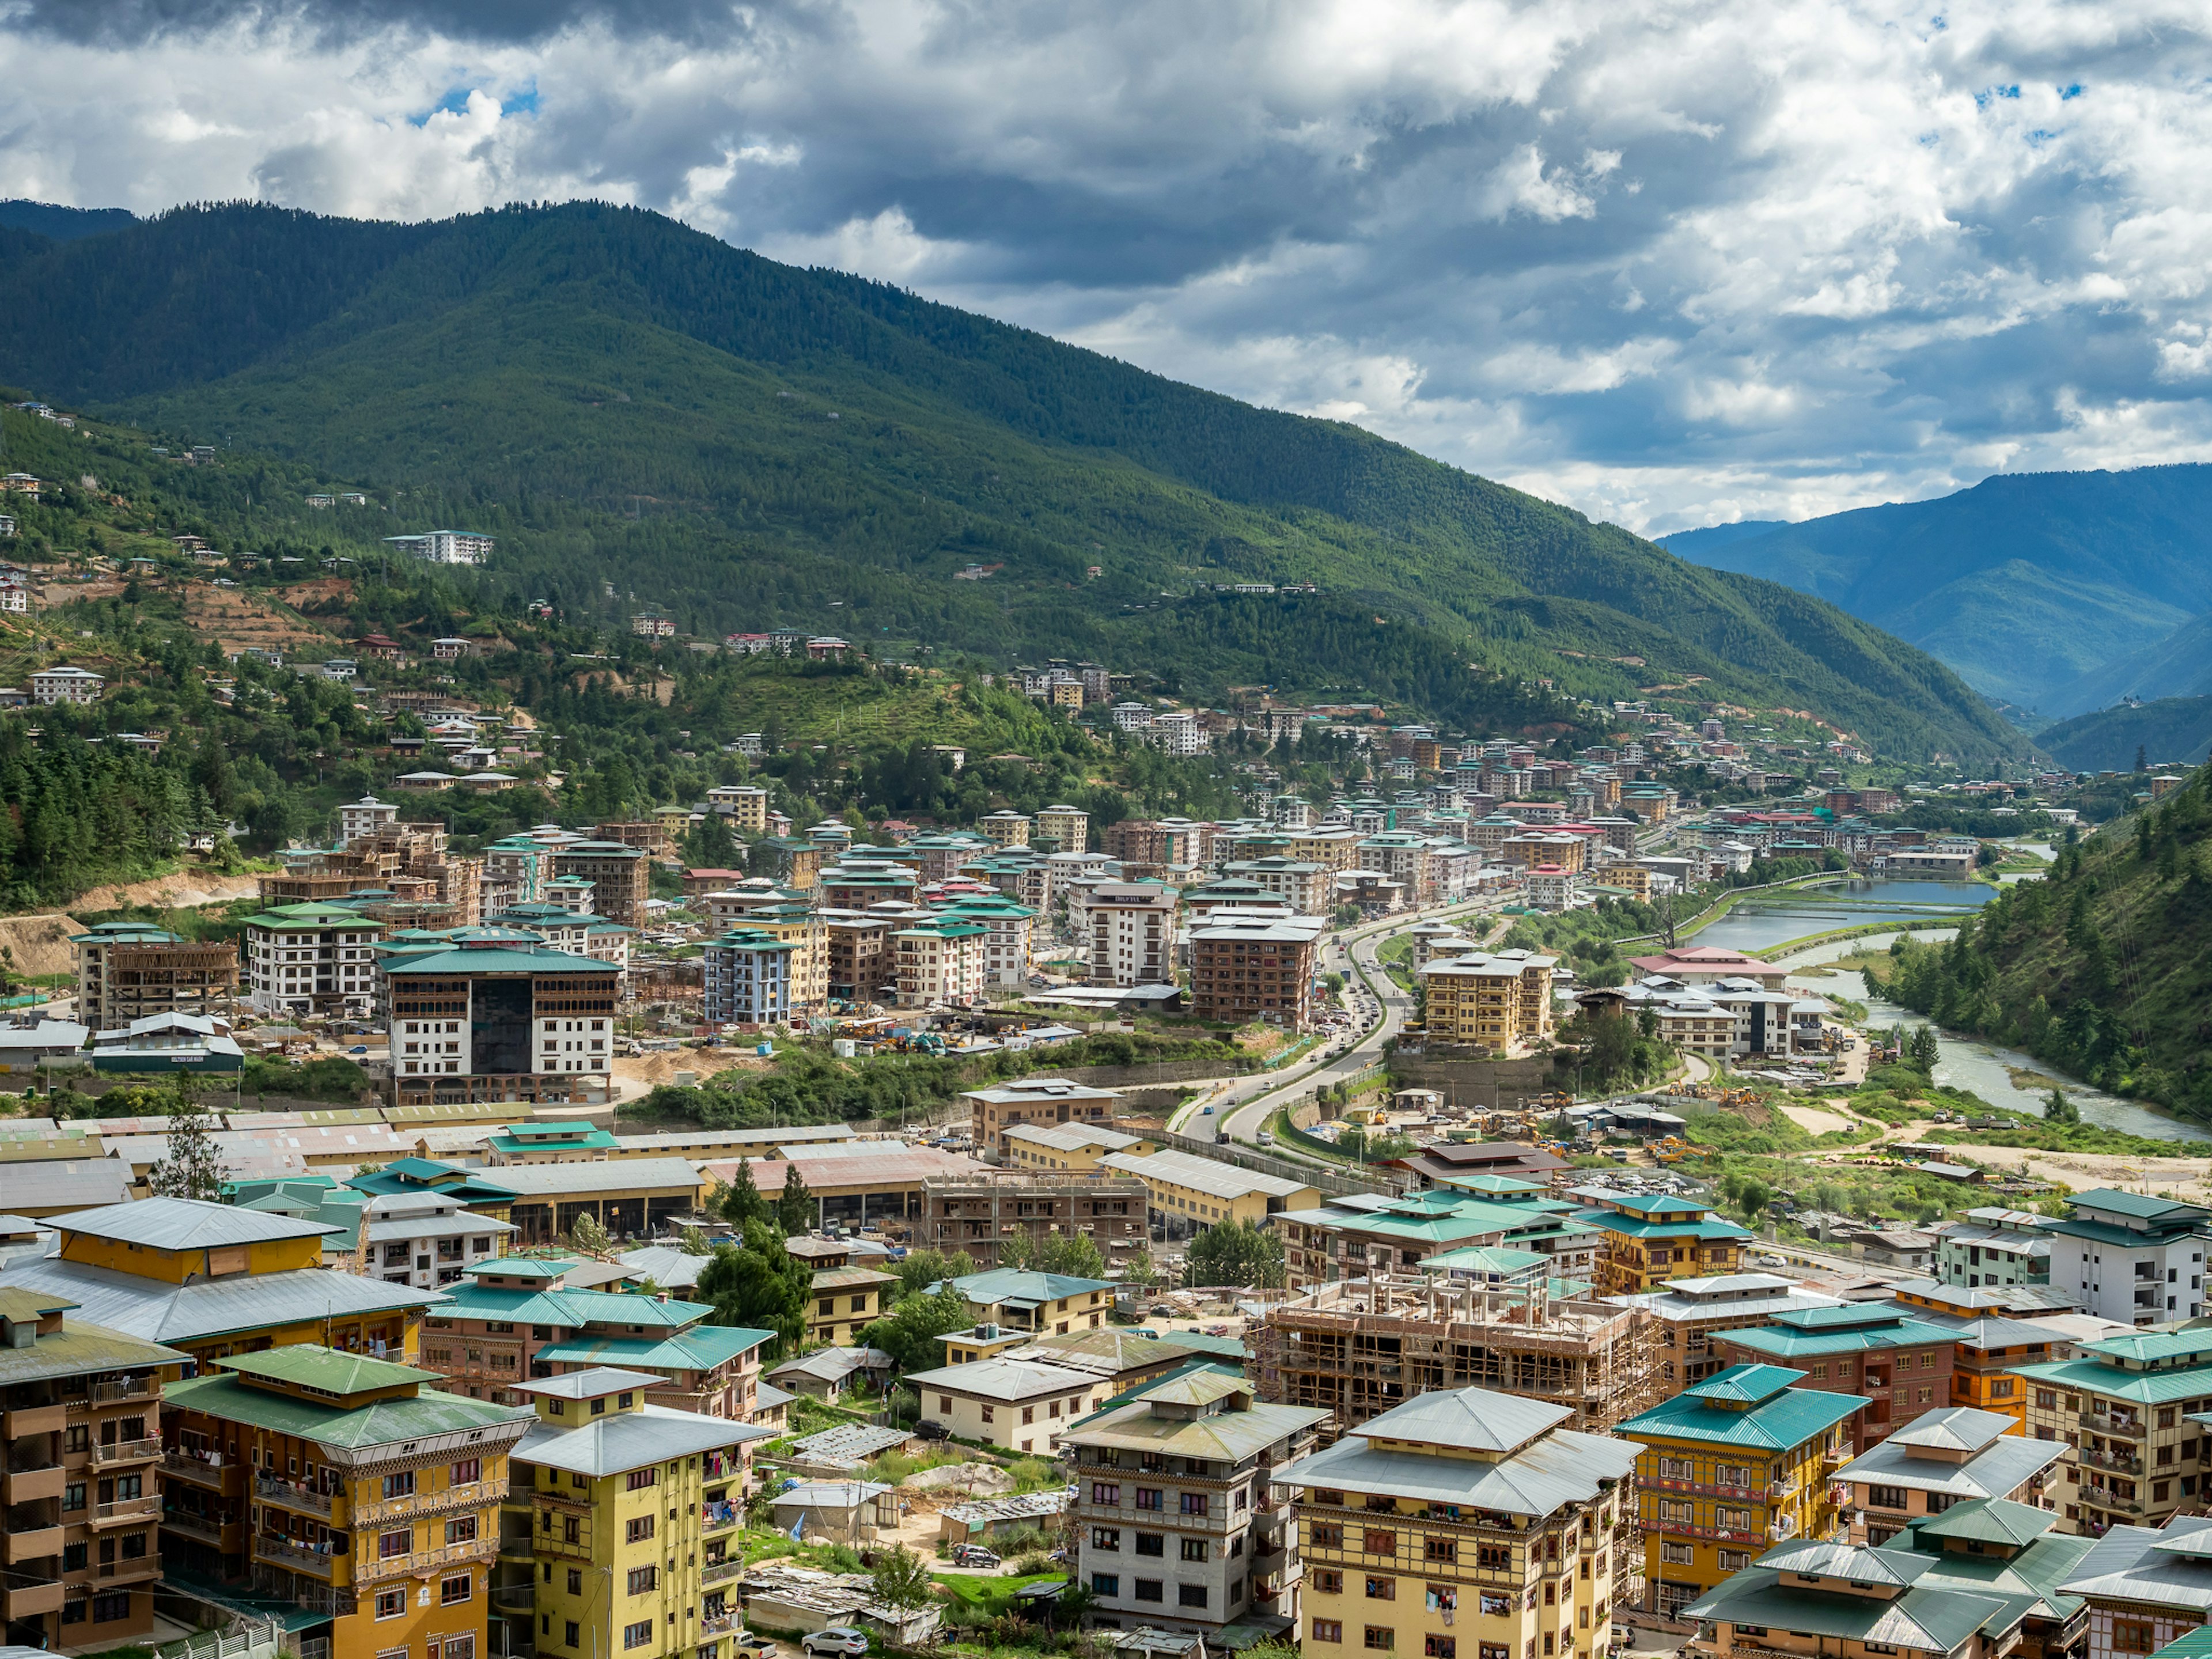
(1932, 1620)
(667, 1265)
(1856, 1563)
(1000, 1378)
(1998, 1472)
(1565, 1468)
(64, 1184)
(592, 1384)
(1955, 1428)
(1473, 1419)
(2126, 1565)
(616, 1174)
(630, 1440)
(187, 1223)
(766, 1397)
(159, 1312)
(830, 1494)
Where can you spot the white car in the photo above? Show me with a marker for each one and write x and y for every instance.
(838, 1639)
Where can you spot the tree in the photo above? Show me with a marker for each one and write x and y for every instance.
(1921, 1049)
(694, 1242)
(917, 1270)
(902, 1580)
(586, 1234)
(755, 1283)
(794, 1210)
(913, 1334)
(1071, 1255)
(194, 1167)
(1237, 1253)
(741, 1200)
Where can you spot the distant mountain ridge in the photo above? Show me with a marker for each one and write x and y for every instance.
(2061, 592)
(642, 405)
(62, 224)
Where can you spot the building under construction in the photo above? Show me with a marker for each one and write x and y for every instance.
(1361, 1346)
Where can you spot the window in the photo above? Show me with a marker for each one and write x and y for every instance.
(116, 1604)
(1325, 1582)
(391, 1603)
(944, 1402)
(1029, 1415)
(1381, 1590)
(401, 1485)
(1439, 1647)
(456, 1590)
(1328, 1630)
(1151, 1543)
(1735, 1560)
(462, 1530)
(389, 1544)
(1494, 1558)
(637, 1529)
(1491, 1605)
(1328, 1537)
(638, 1635)
(638, 1479)
(1194, 1549)
(1148, 1497)
(1105, 1492)
(1190, 1595)
(1380, 1638)
(1679, 1554)
(1440, 1549)
(1105, 1583)
(989, 1415)
(1106, 1538)
(1193, 1503)
(1379, 1541)
(467, 1472)
(573, 1633)
(1884, 1498)
(1151, 1589)
(642, 1579)
(73, 1612)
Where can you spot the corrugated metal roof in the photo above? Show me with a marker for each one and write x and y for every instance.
(1954, 1428)
(2142, 1388)
(1227, 1437)
(384, 1423)
(1000, 1378)
(1564, 1467)
(159, 1312)
(2007, 1465)
(470, 1299)
(329, 1369)
(1473, 1419)
(78, 1349)
(630, 1440)
(1790, 1418)
(2126, 1565)
(187, 1223)
(701, 1348)
(1989, 1520)
(1005, 1284)
(1930, 1620)
(564, 1179)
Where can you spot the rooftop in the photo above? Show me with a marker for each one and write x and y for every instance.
(186, 1224)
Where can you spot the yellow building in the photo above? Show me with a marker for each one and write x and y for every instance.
(340, 1484)
(1729, 1466)
(1189, 1192)
(801, 927)
(1651, 1239)
(1462, 1518)
(846, 1299)
(1073, 1146)
(1016, 1404)
(1019, 1300)
(631, 1512)
(1502, 1001)
(743, 805)
(169, 1270)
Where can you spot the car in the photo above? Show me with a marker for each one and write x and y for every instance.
(1266, 1139)
(1161, 1310)
(358, 1048)
(1223, 1139)
(973, 1555)
(756, 1647)
(930, 1429)
(838, 1639)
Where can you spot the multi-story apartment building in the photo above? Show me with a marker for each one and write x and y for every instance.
(1500, 1002)
(1007, 927)
(858, 961)
(631, 1512)
(743, 804)
(515, 1321)
(1945, 1458)
(175, 1270)
(1404, 859)
(1729, 1466)
(1997, 1246)
(425, 1239)
(1031, 1100)
(312, 960)
(1074, 1148)
(126, 971)
(1465, 1516)
(1692, 1311)
(1005, 828)
(747, 979)
(795, 922)
(939, 962)
(2132, 1258)
(338, 1485)
(1308, 888)
(1243, 971)
(621, 878)
(1068, 827)
(1043, 1304)
(2132, 1408)
(1130, 929)
(81, 1407)
(1653, 1238)
(1344, 1240)
(1901, 1364)
(979, 1214)
(1022, 1405)
(494, 1020)
(844, 1300)
(2143, 1589)
(1179, 1523)
(1189, 1194)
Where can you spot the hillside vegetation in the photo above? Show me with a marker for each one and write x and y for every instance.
(629, 403)
(2172, 729)
(2099, 968)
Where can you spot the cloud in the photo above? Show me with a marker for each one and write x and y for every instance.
(1658, 262)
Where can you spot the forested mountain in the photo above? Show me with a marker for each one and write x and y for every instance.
(2053, 590)
(746, 444)
(61, 224)
(2169, 730)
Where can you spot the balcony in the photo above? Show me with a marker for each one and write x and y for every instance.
(2130, 1427)
(135, 1567)
(28, 1485)
(389, 1566)
(33, 1544)
(205, 1528)
(521, 1600)
(719, 1623)
(473, 1496)
(720, 1517)
(716, 1572)
(279, 1553)
(201, 1471)
(285, 1495)
(28, 1600)
(2117, 1463)
(125, 1451)
(35, 1419)
(128, 1388)
(123, 1510)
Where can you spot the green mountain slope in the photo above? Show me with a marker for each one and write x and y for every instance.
(2041, 589)
(2171, 730)
(749, 444)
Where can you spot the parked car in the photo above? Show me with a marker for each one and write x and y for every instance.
(930, 1429)
(838, 1639)
(973, 1555)
(756, 1647)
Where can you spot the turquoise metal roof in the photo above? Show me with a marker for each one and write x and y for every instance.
(701, 1348)
(1744, 1384)
(2160, 1388)
(1630, 1227)
(1793, 1417)
(1788, 1343)
(494, 960)
(471, 1300)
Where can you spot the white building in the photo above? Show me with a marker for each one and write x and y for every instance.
(939, 962)
(53, 685)
(446, 546)
(2130, 1257)
(365, 817)
(310, 959)
(1178, 733)
(1130, 929)
(427, 1239)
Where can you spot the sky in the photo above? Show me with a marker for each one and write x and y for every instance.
(1673, 263)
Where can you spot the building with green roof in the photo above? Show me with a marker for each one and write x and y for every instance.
(1901, 1363)
(312, 958)
(2130, 1257)
(1728, 1465)
(2132, 1406)
(1808, 1597)
(1653, 1237)
(491, 1020)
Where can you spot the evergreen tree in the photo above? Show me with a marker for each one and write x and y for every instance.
(743, 1202)
(1234, 1253)
(194, 1166)
(794, 1210)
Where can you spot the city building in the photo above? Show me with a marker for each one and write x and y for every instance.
(82, 1414)
(50, 686)
(2130, 1257)
(1995, 1246)
(1067, 827)
(1040, 1304)
(339, 1485)
(1189, 1194)
(1243, 971)
(2132, 1407)
(1002, 1106)
(746, 978)
(493, 1020)
(1690, 1311)
(1944, 1458)
(425, 1239)
(621, 878)
(1728, 1465)
(1900, 1362)
(1500, 1002)
(631, 1510)
(312, 958)
(1462, 1503)
(940, 962)
(846, 1299)
(1019, 1405)
(1006, 929)
(447, 546)
(1129, 928)
(982, 1213)
(1651, 1239)
(1187, 1475)
(743, 804)
(1005, 828)
(2145, 1590)
(1075, 1147)
(128, 971)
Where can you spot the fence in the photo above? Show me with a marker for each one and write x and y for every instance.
(253, 1640)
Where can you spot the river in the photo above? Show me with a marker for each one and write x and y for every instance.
(1768, 918)
(1968, 1063)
